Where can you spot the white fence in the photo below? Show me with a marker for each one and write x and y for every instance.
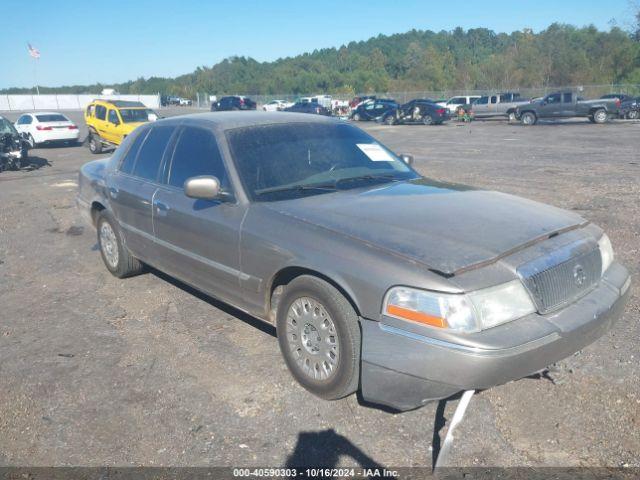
(67, 102)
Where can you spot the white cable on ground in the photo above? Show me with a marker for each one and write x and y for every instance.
(457, 418)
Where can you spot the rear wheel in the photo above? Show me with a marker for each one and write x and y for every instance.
(356, 117)
(115, 255)
(31, 141)
(95, 144)
(389, 120)
(633, 115)
(600, 116)
(427, 120)
(319, 337)
(529, 118)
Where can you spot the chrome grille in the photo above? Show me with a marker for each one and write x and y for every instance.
(560, 284)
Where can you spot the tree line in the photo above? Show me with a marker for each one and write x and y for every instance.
(416, 60)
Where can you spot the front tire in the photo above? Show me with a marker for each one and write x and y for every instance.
(633, 115)
(319, 337)
(529, 118)
(115, 255)
(31, 141)
(389, 120)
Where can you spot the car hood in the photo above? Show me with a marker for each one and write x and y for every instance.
(446, 227)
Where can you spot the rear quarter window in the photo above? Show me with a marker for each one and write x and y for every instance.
(101, 112)
(126, 166)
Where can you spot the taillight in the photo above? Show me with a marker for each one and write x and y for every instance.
(72, 127)
(317, 109)
(40, 127)
(242, 101)
(618, 102)
(440, 111)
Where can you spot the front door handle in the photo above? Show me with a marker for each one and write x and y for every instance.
(162, 209)
(113, 192)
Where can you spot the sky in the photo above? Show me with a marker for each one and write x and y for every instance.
(118, 40)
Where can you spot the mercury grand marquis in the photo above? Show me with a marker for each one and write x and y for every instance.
(375, 277)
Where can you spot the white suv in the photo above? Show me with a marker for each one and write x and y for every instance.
(455, 102)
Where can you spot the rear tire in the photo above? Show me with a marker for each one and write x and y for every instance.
(115, 254)
(356, 117)
(389, 120)
(427, 120)
(95, 144)
(31, 141)
(529, 118)
(319, 337)
(633, 115)
(600, 116)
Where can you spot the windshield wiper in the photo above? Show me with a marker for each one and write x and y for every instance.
(368, 177)
(298, 188)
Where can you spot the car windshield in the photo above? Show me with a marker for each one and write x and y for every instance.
(134, 115)
(52, 117)
(7, 127)
(282, 161)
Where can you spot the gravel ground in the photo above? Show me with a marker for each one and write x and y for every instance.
(100, 371)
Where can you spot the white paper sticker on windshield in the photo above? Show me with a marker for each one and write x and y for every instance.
(375, 152)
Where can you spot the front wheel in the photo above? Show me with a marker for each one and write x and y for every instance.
(389, 120)
(356, 117)
(529, 118)
(600, 116)
(319, 337)
(633, 115)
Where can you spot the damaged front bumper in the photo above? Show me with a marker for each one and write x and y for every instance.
(404, 370)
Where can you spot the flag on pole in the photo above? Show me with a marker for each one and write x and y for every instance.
(34, 52)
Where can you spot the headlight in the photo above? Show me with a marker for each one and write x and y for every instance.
(467, 313)
(606, 252)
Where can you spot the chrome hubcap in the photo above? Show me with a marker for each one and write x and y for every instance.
(312, 338)
(109, 245)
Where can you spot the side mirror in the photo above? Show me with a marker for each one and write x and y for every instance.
(204, 187)
(408, 159)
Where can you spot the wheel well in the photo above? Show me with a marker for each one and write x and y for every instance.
(528, 111)
(96, 207)
(595, 109)
(286, 275)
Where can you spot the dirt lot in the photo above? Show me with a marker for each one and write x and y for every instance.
(99, 371)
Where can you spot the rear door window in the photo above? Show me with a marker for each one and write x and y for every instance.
(150, 156)
(566, 98)
(196, 153)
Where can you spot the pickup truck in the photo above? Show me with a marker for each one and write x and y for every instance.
(498, 105)
(568, 104)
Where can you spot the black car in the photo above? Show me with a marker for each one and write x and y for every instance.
(308, 107)
(234, 102)
(625, 101)
(373, 109)
(630, 108)
(416, 111)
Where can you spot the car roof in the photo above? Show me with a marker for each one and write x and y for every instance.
(46, 113)
(121, 103)
(231, 120)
